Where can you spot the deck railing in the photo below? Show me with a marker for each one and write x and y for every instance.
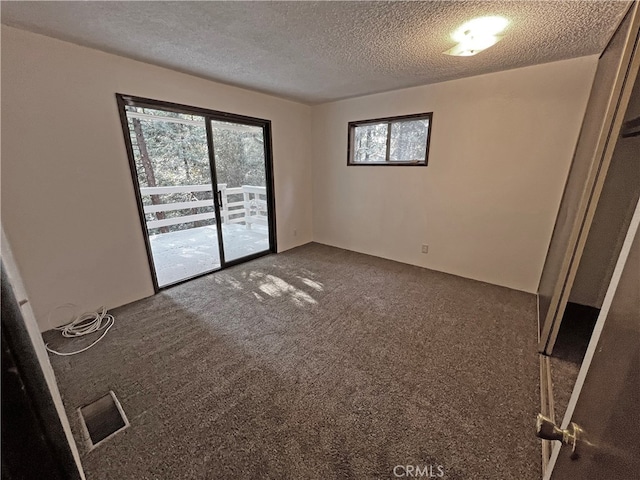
(251, 209)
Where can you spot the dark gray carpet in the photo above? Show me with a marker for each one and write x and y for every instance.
(571, 345)
(563, 377)
(317, 363)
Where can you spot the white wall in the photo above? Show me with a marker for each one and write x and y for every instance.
(501, 147)
(68, 204)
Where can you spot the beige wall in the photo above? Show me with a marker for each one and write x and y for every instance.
(485, 205)
(501, 147)
(68, 205)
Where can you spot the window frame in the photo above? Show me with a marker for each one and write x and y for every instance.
(351, 128)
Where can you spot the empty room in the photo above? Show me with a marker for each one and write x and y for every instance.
(320, 240)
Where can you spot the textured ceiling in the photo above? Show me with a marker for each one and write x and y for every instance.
(320, 51)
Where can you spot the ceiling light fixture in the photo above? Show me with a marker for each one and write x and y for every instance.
(477, 35)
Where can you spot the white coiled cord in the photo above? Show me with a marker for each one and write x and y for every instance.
(85, 324)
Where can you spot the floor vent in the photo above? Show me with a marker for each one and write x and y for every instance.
(102, 419)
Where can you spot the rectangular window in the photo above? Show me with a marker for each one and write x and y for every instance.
(390, 141)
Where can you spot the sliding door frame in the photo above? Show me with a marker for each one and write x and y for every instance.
(565, 250)
(214, 185)
(209, 115)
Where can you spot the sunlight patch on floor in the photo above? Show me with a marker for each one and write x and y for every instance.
(277, 287)
(318, 287)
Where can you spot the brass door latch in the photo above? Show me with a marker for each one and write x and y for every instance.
(547, 430)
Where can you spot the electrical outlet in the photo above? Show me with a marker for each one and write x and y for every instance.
(425, 248)
(295, 233)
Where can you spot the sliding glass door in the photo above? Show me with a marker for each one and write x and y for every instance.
(239, 152)
(203, 184)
